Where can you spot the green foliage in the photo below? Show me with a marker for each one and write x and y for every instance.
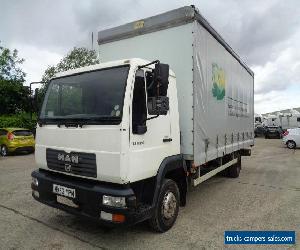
(9, 65)
(22, 120)
(14, 97)
(49, 73)
(78, 57)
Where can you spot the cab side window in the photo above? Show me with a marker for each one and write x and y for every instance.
(139, 109)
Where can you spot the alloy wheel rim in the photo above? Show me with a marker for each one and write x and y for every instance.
(3, 151)
(169, 205)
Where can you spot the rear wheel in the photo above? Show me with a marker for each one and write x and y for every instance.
(166, 210)
(235, 169)
(4, 151)
(291, 144)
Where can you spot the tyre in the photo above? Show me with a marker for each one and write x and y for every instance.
(31, 151)
(167, 207)
(4, 151)
(235, 169)
(291, 144)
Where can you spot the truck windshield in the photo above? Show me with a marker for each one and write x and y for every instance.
(90, 98)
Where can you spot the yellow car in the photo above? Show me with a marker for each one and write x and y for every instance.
(16, 140)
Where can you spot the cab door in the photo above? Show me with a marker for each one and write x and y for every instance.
(150, 136)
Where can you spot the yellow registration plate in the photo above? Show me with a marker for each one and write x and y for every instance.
(64, 191)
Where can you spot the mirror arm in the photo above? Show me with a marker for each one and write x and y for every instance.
(145, 65)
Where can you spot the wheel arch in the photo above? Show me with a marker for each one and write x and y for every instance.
(172, 167)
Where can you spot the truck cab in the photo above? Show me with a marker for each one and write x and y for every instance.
(103, 133)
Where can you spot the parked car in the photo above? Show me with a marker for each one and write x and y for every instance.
(259, 131)
(16, 140)
(273, 132)
(291, 138)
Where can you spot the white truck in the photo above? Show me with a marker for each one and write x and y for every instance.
(121, 141)
(289, 119)
(258, 119)
(271, 120)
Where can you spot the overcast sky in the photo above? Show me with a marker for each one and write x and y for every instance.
(266, 35)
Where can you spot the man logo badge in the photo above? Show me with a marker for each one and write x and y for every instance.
(68, 168)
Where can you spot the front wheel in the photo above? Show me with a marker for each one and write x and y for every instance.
(31, 151)
(4, 151)
(167, 207)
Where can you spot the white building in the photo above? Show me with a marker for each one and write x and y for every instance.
(288, 118)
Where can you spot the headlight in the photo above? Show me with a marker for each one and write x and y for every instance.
(35, 181)
(114, 201)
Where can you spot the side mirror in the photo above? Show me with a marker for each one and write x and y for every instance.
(161, 78)
(158, 105)
(141, 129)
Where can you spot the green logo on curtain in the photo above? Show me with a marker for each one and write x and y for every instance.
(219, 82)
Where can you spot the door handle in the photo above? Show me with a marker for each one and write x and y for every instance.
(167, 140)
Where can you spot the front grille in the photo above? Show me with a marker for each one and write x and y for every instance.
(77, 163)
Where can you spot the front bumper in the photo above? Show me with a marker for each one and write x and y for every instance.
(88, 198)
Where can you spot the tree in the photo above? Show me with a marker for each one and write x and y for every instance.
(14, 97)
(9, 66)
(77, 58)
